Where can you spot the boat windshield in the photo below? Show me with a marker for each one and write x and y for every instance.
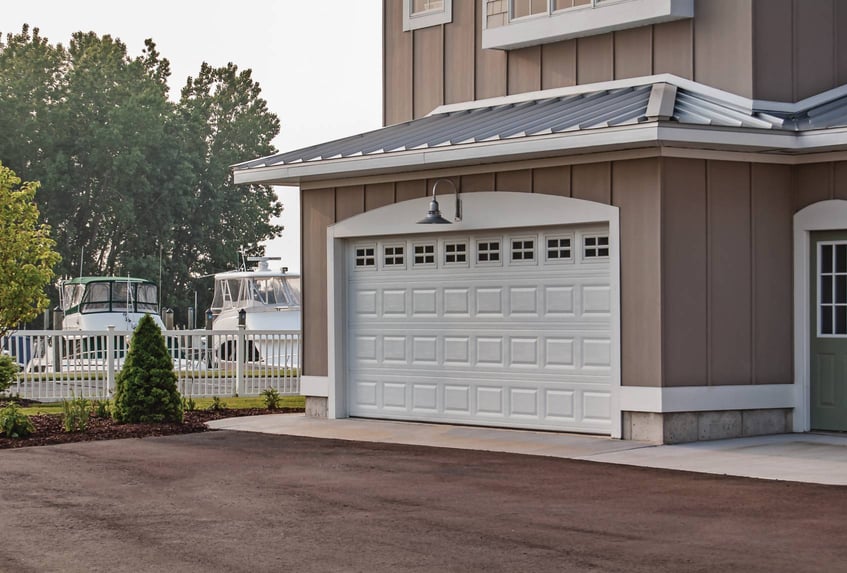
(110, 296)
(256, 291)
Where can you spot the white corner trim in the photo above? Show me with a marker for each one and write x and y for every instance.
(707, 398)
(314, 386)
(821, 216)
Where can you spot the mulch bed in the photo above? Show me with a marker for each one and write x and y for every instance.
(48, 427)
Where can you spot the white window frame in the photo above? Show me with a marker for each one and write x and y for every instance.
(560, 260)
(455, 241)
(394, 245)
(520, 262)
(597, 18)
(373, 267)
(599, 258)
(426, 19)
(819, 301)
(500, 251)
(415, 264)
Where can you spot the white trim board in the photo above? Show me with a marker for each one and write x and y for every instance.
(707, 398)
(314, 386)
(828, 215)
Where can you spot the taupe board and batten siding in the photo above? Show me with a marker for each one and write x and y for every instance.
(781, 50)
(706, 270)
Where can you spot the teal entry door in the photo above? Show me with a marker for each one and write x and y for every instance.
(829, 330)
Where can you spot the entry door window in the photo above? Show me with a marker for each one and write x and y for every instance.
(832, 289)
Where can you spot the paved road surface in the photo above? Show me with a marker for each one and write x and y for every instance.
(233, 501)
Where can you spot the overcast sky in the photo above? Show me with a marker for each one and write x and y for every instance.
(318, 61)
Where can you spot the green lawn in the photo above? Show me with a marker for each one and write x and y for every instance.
(201, 403)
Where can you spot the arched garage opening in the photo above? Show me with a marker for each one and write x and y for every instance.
(509, 318)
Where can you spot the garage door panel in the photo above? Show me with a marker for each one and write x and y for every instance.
(522, 343)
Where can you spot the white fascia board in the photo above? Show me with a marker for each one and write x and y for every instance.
(708, 398)
(803, 104)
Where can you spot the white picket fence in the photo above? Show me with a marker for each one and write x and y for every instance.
(59, 364)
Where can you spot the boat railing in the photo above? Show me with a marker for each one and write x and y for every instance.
(60, 364)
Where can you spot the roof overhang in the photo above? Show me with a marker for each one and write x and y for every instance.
(653, 112)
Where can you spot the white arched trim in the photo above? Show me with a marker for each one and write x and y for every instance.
(481, 211)
(822, 216)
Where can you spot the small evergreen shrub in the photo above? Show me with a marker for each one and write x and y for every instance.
(14, 423)
(272, 398)
(8, 372)
(75, 414)
(146, 389)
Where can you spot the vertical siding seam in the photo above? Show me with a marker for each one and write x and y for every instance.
(474, 59)
(384, 69)
(412, 74)
(614, 36)
(662, 276)
(652, 50)
(443, 64)
(708, 276)
(832, 180)
(793, 50)
(834, 78)
(753, 281)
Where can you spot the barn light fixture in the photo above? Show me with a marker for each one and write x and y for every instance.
(433, 216)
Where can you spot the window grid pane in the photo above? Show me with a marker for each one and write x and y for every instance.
(365, 257)
(832, 289)
(424, 254)
(456, 253)
(595, 247)
(419, 6)
(393, 256)
(488, 251)
(523, 250)
(559, 249)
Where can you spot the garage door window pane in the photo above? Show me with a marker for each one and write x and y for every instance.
(596, 247)
(488, 252)
(559, 249)
(523, 250)
(424, 255)
(456, 253)
(365, 257)
(393, 256)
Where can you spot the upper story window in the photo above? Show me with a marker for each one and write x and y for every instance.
(509, 24)
(426, 13)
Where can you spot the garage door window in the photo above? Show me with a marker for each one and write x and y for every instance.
(365, 257)
(559, 249)
(424, 255)
(393, 257)
(523, 250)
(596, 247)
(488, 252)
(456, 253)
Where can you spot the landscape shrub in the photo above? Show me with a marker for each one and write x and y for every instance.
(217, 405)
(272, 398)
(8, 371)
(146, 389)
(75, 414)
(102, 409)
(14, 423)
(188, 404)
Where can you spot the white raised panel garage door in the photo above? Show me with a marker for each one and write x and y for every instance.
(505, 329)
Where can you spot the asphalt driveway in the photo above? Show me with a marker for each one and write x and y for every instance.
(234, 501)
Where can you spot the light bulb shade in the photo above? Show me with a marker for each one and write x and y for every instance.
(433, 216)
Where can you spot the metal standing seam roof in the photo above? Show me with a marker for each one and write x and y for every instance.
(494, 120)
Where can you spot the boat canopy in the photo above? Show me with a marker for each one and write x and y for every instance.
(108, 294)
(247, 289)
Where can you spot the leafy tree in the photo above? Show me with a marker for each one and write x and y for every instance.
(127, 175)
(26, 253)
(146, 388)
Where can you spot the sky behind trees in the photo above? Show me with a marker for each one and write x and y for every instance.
(318, 63)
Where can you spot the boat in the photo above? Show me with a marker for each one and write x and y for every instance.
(94, 304)
(270, 301)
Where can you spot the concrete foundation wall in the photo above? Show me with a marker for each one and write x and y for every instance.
(316, 406)
(682, 427)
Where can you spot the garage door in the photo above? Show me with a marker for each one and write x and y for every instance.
(508, 329)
